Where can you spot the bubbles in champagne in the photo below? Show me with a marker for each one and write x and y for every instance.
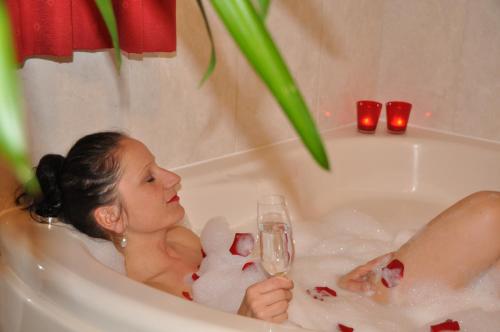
(276, 247)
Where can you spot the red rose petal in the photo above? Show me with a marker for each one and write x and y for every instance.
(392, 273)
(247, 265)
(343, 328)
(324, 289)
(448, 325)
(320, 292)
(187, 295)
(195, 277)
(242, 244)
(396, 264)
(203, 253)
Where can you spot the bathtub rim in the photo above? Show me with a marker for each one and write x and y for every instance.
(235, 322)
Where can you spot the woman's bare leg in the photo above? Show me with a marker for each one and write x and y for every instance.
(454, 247)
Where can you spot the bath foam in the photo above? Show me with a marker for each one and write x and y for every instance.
(222, 280)
(328, 248)
(102, 250)
(352, 232)
(216, 236)
(331, 247)
(431, 303)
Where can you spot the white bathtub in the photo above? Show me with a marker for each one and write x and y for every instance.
(50, 282)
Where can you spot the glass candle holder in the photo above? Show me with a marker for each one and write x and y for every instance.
(368, 114)
(398, 113)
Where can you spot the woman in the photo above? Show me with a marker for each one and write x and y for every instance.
(109, 186)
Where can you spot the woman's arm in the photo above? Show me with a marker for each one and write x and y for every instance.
(268, 300)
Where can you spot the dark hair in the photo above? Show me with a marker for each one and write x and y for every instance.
(73, 187)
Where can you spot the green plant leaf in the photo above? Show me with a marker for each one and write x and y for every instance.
(213, 58)
(262, 7)
(106, 9)
(249, 32)
(13, 146)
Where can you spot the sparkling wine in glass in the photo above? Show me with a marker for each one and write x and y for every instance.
(275, 235)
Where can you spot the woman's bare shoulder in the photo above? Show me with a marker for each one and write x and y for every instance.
(184, 236)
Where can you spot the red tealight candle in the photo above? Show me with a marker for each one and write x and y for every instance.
(368, 114)
(398, 113)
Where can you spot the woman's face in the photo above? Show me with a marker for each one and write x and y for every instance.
(148, 192)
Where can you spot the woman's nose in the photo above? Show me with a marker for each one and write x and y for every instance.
(171, 179)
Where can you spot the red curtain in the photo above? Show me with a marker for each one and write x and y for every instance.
(57, 27)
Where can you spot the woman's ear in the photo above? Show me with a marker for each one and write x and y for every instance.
(108, 217)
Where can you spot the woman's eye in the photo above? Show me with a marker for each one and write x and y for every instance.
(150, 179)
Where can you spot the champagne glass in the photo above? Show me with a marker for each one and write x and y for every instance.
(275, 235)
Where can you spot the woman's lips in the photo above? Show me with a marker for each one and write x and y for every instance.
(174, 199)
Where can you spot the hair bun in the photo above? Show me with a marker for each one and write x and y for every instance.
(48, 172)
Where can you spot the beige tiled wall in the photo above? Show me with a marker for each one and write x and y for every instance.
(442, 55)
(421, 49)
(477, 109)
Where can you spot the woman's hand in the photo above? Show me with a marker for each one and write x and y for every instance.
(362, 278)
(268, 300)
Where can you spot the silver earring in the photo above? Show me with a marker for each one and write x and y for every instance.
(123, 241)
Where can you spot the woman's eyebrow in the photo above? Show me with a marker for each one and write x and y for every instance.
(143, 170)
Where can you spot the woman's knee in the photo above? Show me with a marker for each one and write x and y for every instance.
(487, 205)
(485, 195)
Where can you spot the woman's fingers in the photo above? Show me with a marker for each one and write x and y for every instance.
(361, 278)
(273, 283)
(358, 286)
(358, 272)
(355, 285)
(268, 291)
(274, 296)
(357, 279)
(379, 260)
(268, 300)
(274, 310)
(362, 271)
(261, 304)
